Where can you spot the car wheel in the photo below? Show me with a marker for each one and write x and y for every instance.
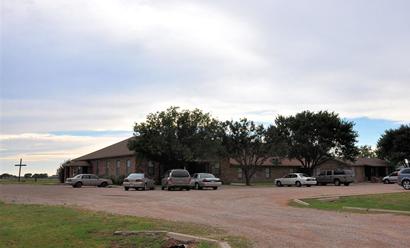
(337, 182)
(346, 184)
(386, 181)
(406, 184)
(279, 184)
(307, 185)
(78, 185)
(162, 188)
(187, 188)
(169, 188)
(298, 184)
(215, 188)
(126, 188)
(104, 184)
(152, 188)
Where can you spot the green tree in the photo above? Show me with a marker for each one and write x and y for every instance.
(248, 144)
(177, 138)
(394, 145)
(313, 138)
(27, 175)
(367, 152)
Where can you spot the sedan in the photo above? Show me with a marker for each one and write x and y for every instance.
(205, 180)
(138, 181)
(87, 180)
(297, 179)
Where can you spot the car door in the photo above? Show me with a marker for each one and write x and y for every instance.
(328, 178)
(85, 179)
(94, 181)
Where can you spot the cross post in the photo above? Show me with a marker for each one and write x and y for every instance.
(19, 165)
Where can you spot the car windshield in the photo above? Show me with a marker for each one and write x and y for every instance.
(136, 176)
(304, 175)
(180, 173)
(78, 176)
(206, 175)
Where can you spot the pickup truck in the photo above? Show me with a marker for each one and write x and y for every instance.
(337, 177)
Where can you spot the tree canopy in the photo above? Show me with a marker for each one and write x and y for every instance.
(177, 137)
(312, 138)
(394, 145)
(367, 152)
(247, 143)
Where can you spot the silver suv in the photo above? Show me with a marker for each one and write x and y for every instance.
(177, 178)
(403, 178)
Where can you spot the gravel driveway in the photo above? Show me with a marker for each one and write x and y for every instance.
(258, 213)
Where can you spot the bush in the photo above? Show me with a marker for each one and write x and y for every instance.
(117, 180)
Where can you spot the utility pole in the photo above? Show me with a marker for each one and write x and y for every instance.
(19, 165)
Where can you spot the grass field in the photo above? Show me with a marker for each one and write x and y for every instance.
(55, 226)
(40, 181)
(390, 201)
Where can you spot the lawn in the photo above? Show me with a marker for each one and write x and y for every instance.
(390, 201)
(55, 226)
(40, 181)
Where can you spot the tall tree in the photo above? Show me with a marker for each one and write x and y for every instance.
(247, 143)
(367, 152)
(313, 138)
(394, 145)
(177, 137)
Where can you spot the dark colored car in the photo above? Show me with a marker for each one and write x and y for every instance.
(176, 179)
(337, 177)
(403, 178)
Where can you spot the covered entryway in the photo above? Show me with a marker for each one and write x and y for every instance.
(72, 168)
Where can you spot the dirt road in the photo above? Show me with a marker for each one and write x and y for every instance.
(258, 213)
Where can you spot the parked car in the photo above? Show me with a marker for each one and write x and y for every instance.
(392, 178)
(138, 181)
(205, 180)
(177, 178)
(403, 178)
(297, 179)
(88, 180)
(337, 177)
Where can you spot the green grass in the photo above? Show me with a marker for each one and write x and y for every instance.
(389, 201)
(55, 226)
(40, 181)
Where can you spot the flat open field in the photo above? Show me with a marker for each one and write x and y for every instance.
(259, 213)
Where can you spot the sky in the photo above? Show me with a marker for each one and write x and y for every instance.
(76, 75)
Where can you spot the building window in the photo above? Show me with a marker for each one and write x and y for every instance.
(107, 165)
(268, 172)
(97, 170)
(128, 167)
(150, 169)
(215, 169)
(117, 168)
(239, 173)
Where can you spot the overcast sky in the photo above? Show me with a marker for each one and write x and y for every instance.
(76, 75)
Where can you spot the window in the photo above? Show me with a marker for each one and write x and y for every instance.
(93, 177)
(117, 168)
(151, 169)
(267, 172)
(180, 173)
(107, 165)
(216, 169)
(339, 172)
(322, 173)
(329, 173)
(96, 168)
(128, 167)
(239, 173)
(406, 171)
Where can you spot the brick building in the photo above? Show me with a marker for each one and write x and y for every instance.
(118, 161)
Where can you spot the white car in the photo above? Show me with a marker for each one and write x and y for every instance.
(297, 179)
(205, 180)
(392, 178)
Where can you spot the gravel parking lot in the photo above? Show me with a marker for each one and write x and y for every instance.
(258, 213)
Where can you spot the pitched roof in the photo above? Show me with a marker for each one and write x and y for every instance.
(369, 162)
(116, 150)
